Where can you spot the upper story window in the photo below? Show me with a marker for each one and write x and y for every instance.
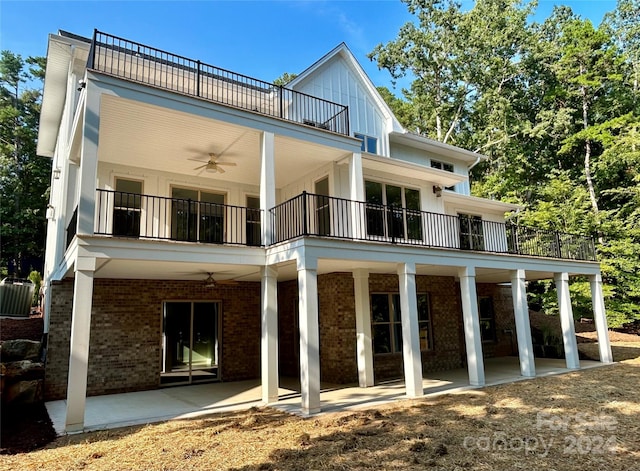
(392, 211)
(442, 165)
(368, 144)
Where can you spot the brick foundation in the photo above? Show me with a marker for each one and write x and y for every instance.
(126, 325)
(126, 322)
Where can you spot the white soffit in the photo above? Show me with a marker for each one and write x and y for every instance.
(411, 170)
(473, 202)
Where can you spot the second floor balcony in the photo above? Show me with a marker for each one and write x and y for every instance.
(130, 215)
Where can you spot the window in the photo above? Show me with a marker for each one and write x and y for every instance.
(443, 166)
(393, 211)
(471, 232)
(253, 228)
(387, 325)
(369, 144)
(127, 208)
(323, 210)
(487, 319)
(197, 216)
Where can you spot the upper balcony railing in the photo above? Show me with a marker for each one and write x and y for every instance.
(143, 64)
(154, 217)
(325, 216)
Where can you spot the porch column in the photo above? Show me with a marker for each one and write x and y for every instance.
(79, 343)
(267, 185)
(269, 342)
(567, 321)
(471, 320)
(410, 329)
(523, 327)
(364, 346)
(600, 318)
(356, 188)
(309, 335)
(88, 177)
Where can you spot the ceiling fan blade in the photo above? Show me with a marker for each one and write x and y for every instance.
(201, 166)
(227, 282)
(219, 169)
(228, 164)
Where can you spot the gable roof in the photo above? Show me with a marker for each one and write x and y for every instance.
(343, 51)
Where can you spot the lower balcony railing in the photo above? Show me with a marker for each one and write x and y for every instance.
(154, 217)
(325, 216)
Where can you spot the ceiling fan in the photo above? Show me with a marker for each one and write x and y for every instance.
(213, 165)
(210, 282)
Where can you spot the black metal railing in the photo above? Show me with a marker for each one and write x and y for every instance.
(72, 227)
(325, 216)
(134, 61)
(133, 215)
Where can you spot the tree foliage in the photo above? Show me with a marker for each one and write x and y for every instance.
(555, 107)
(24, 177)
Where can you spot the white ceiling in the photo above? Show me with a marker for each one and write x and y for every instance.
(146, 136)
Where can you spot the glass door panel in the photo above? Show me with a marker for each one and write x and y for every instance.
(191, 342)
(127, 208)
(323, 212)
(394, 211)
(211, 217)
(254, 231)
(177, 335)
(375, 208)
(184, 214)
(204, 356)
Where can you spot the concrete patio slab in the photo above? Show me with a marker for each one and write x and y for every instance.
(180, 402)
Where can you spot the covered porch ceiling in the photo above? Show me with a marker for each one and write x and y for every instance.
(151, 137)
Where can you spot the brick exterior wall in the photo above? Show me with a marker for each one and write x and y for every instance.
(126, 321)
(125, 349)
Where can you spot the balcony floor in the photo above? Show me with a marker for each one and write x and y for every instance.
(185, 402)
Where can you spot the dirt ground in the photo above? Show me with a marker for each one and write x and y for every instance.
(585, 420)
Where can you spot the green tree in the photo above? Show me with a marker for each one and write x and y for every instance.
(24, 177)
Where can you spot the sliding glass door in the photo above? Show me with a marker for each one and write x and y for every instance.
(191, 342)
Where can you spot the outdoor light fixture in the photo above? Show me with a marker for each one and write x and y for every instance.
(81, 84)
(437, 190)
(56, 173)
(50, 212)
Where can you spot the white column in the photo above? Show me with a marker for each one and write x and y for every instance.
(410, 330)
(88, 177)
(269, 342)
(356, 189)
(364, 345)
(79, 343)
(267, 184)
(309, 335)
(600, 318)
(566, 320)
(523, 327)
(471, 320)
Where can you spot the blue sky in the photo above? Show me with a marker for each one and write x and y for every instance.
(262, 39)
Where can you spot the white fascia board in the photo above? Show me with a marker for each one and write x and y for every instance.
(435, 147)
(474, 202)
(168, 251)
(411, 170)
(322, 248)
(60, 53)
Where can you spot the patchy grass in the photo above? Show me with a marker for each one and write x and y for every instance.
(586, 420)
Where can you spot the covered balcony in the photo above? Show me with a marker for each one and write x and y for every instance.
(131, 215)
